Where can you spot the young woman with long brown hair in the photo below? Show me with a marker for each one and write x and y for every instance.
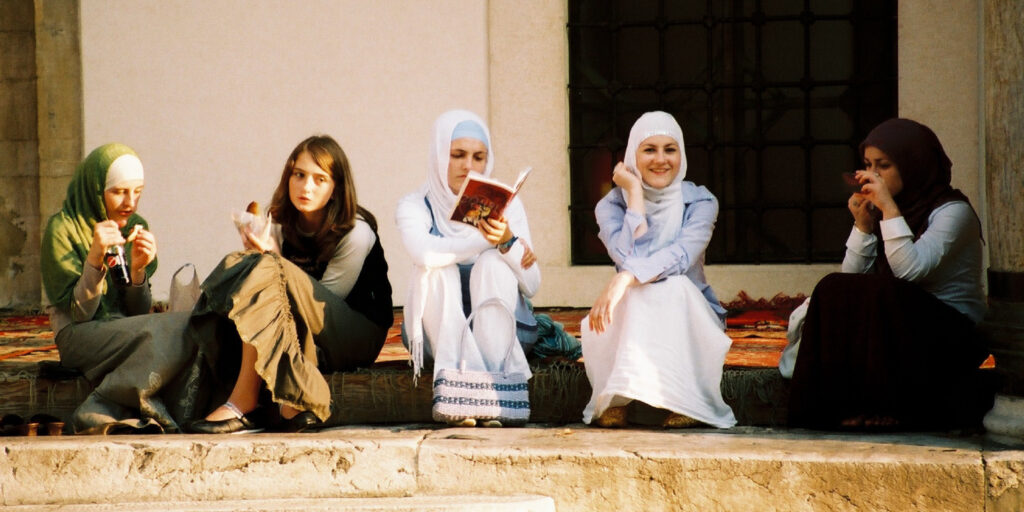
(310, 294)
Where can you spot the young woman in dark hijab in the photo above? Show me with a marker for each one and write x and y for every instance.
(889, 342)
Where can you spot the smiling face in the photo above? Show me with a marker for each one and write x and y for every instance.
(875, 160)
(657, 159)
(466, 154)
(310, 189)
(122, 200)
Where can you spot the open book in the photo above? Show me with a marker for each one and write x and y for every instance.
(481, 197)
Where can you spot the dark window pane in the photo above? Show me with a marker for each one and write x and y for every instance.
(690, 108)
(832, 113)
(733, 54)
(593, 67)
(782, 115)
(774, 97)
(784, 234)
(636, 11)
(693, 11)
(782, 7)
(686, 47)
(832, 7)
(832, 50)
(785, 177)
(827, 164)
(636, 56)
(830, 227)
(782, 51)
(698, 167)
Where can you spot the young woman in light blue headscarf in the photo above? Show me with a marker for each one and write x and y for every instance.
(656, 333)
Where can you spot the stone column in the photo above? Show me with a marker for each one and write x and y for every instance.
(59, 95)
(19, 224)
(1004, 178)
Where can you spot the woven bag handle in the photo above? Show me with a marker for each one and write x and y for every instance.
(469, 319)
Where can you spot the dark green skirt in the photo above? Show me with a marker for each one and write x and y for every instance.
(139, 366)
(298, 328)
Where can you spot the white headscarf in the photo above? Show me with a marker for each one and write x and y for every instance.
(441, 201)
(126, 168)
(664, 206)
(441, 197)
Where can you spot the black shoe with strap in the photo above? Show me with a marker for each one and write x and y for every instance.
(240, 424)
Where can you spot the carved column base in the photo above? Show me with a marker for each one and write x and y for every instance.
(1005, 422)
(1004, 329)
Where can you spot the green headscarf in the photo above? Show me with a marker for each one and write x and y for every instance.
(69, 232)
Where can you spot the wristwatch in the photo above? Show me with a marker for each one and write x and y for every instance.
(507, 245)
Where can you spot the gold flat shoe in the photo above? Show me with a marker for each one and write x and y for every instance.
(612, 417)
(676, 420)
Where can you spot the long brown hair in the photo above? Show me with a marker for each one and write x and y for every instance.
(342, 208)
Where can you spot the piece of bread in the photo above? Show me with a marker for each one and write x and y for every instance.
(253, 208)
(135, 232)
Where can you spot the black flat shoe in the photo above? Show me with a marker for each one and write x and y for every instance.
(229, 426)
(300, 422)
(241, 424)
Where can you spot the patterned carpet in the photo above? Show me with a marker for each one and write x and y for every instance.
(757, 329)
(26, 339)
(758, 337)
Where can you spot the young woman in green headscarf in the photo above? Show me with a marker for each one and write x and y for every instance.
(102, 327)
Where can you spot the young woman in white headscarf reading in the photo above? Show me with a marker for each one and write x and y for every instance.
(656, 333)
(456, 267)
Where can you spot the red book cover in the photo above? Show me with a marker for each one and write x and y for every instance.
(482, 197)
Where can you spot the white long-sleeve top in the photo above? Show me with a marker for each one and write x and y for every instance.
(432, 251)
(946, 260)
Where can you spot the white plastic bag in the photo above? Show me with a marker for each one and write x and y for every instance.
(794, 332)
(258, 224)
(184, 290)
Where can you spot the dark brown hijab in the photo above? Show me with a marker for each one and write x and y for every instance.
(925, 169)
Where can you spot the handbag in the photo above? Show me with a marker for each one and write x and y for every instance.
(183, 295)
(502, 395)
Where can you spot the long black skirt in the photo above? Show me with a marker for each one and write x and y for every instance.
(878, 346)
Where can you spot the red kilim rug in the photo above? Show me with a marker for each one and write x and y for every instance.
(757, 329)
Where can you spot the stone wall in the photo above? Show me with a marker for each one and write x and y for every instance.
(19, 157)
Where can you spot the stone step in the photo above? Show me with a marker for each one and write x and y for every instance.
(387, 394)
(455, 503)
(577, 467)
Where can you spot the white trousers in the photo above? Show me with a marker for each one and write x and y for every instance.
(494, 329)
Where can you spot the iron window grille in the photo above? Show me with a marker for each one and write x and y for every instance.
(774, 97)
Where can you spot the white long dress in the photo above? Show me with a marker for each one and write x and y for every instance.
(665, 348)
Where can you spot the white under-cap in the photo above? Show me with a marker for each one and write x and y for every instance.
(125, 168)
